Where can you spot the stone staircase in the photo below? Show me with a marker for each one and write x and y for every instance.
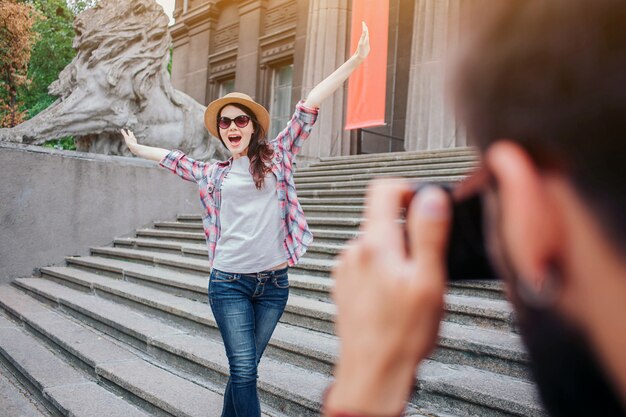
(128, 331)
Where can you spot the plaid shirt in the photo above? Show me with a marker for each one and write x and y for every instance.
(209, 177)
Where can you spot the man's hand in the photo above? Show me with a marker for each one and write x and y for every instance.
(389, 302)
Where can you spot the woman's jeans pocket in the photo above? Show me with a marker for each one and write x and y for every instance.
(221, 283)
(281, 281)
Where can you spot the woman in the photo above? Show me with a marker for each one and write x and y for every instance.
(254, 225)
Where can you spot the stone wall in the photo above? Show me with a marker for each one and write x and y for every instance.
(58, 203)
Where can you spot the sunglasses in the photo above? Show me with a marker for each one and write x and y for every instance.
(240, 121)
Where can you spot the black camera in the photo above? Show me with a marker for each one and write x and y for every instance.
(467, 257)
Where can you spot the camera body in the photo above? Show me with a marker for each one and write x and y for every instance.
(467, 257)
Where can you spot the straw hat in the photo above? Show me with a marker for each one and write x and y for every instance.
(211, 112)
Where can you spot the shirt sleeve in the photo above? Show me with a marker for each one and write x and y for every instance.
(187, 168)
(298, 129)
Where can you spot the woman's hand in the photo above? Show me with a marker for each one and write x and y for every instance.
(363, 48)
(142, 151)
(389, 300)
(335, 80)
(130, 139)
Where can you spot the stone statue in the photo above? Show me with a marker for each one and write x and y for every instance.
(119, 79)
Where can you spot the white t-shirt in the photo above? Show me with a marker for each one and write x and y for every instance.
(252, 234)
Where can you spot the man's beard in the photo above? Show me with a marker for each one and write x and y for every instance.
(570, 379)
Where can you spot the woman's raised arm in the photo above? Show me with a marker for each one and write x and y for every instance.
(143, 151)
(331, 83)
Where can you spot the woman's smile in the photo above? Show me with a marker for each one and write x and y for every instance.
(234, 139)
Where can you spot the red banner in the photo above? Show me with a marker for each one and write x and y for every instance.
(368, 84)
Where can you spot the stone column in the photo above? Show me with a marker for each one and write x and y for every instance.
(180, 57)
(326, 49)
(251, 13)
(191, 50)
(430, 120)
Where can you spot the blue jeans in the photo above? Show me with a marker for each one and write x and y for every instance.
(246, 308)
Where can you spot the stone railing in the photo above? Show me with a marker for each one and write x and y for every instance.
(58, 203)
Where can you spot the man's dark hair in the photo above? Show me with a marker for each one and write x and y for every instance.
(551, 76)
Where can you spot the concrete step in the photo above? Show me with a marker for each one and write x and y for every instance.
(172, 235)
(507, 393)
(489, 289)
(310, 286)
(461, 309)
(339, 223)
(199, 250)
(351, 177)
(336, 201)
(196, 250)
(189, 264)
(179, 283)
(319, 287)
(434, 177)
(356, 189)
(180, 227)
(333, 236)
(326, 195)
(300, 311)
(65, 388)
(327, 245)
(314, 267)
(473, 392)
(158, 390)
(497, 351)
(383, 168)
(333, 211)
(463, 306)
(334, 223)
(481, 312)
(319, 210)
(16, 400)
(398, 156)
(381, 163)
(193, 226)
(323, 250)
(295, 390)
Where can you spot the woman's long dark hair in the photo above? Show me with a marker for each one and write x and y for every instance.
(259, 151)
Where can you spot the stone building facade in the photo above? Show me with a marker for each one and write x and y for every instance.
(277, 50)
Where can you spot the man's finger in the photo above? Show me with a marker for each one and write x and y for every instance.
(428, 223)
(384, 198)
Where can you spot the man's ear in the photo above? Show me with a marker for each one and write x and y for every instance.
(529, 220)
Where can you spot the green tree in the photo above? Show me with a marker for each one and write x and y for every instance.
(78, 6)
(50, 54)
(16, 38)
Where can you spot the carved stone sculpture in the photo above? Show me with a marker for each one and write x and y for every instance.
(119, 79)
